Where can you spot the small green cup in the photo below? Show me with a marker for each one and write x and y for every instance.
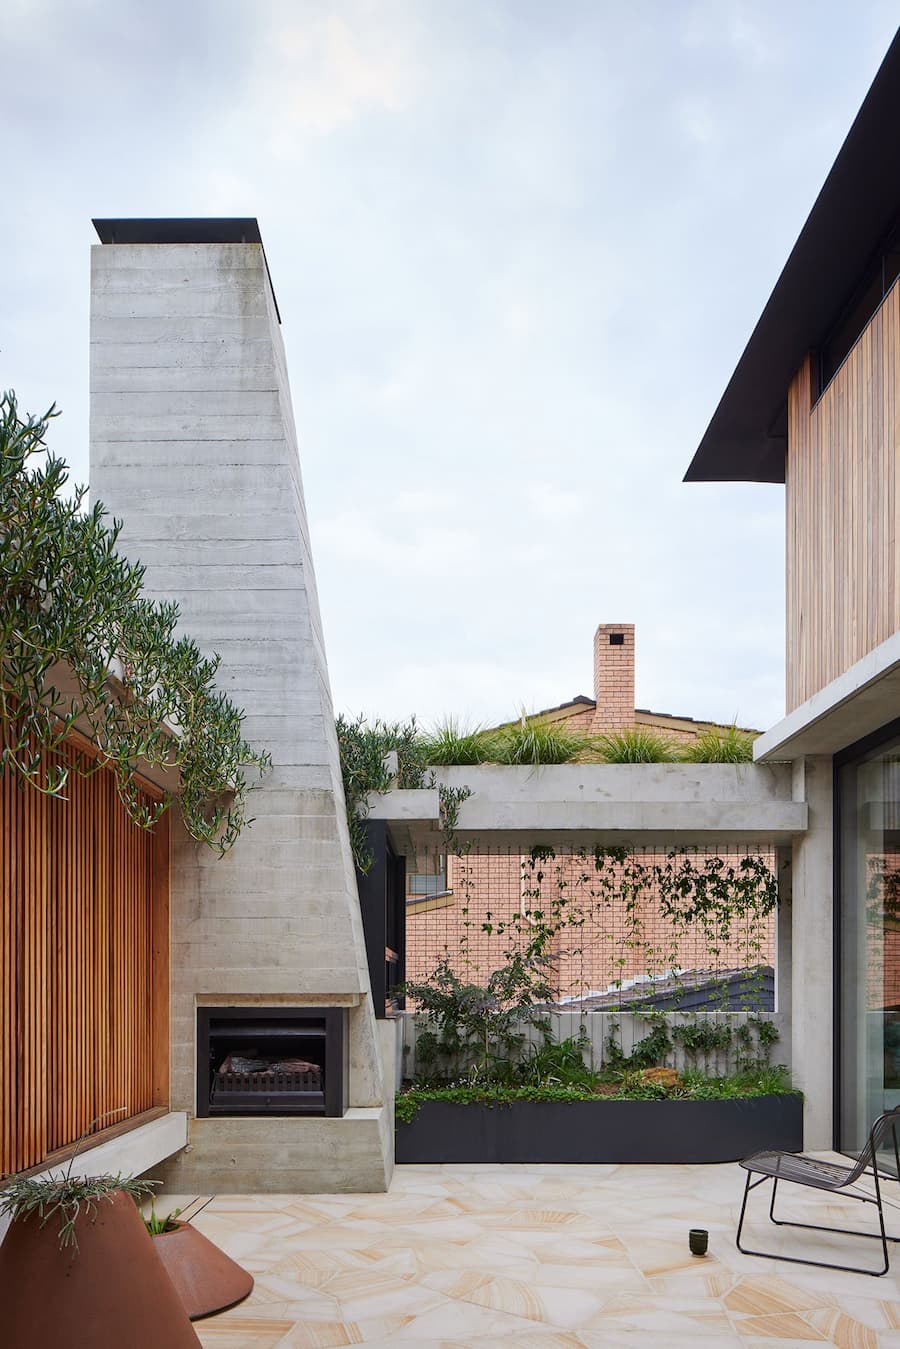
(698, 1240)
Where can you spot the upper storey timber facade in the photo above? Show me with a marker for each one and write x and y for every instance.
(814, 403)
(842, 504)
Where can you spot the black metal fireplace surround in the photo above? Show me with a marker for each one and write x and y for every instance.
(271, 1061)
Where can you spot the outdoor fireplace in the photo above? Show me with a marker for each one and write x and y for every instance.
(271, 1061)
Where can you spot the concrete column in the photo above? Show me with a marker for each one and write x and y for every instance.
(812, 943)
(784, 871)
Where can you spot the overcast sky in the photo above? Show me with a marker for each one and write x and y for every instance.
(518, 247)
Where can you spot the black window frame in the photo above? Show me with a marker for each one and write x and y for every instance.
(884, 734)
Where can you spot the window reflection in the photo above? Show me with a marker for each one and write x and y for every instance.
(869, 788)
(873, 286)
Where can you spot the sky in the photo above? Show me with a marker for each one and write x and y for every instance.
(518, 247)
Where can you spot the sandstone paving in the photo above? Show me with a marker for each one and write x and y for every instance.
(555, 1257)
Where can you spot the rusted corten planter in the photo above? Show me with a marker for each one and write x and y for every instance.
(111, 1292)
(205, 1278)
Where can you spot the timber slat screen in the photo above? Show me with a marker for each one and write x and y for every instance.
(843, 508)
(83, 965)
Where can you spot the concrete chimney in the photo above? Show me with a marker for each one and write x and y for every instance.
(614, 677)
(193, 446)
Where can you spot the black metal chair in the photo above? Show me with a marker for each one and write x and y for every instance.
(802, 1170)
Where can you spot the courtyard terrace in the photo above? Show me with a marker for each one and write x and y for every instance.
(556, 1257)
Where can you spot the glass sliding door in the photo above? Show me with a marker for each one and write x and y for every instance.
(868, 784)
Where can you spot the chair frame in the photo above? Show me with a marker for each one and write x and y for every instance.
(802, 1170)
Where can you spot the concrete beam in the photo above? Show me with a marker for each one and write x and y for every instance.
(861, 700)
(624, 803)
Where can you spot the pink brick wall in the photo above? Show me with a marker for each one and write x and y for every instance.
(610, 946)
(882, 940)
(489, 885)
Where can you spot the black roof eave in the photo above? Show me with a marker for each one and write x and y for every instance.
(744, 442)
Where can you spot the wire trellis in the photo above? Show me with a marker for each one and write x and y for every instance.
(672, 928)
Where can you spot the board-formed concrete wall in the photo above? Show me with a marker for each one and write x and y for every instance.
(193, 446)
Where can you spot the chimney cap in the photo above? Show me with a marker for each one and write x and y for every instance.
(185, 230)
(175, 230)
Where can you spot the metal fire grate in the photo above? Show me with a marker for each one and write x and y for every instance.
(270, 1083)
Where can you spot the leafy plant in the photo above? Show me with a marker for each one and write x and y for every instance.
(67, 1195)
(409, 1102)
(755, 1039)
(635, 745)
(559, 1062)
(478, 1029)
(649, 1052)
(766, 1081)
(451, 744)
(767, 1033)
(702, 1036)
(717, 745)
(365, 767)
(532, 741)
(65, 1198)
(451, 798)
(691, 1086)
(80, 644)
(157, 1226)
(698, 1036)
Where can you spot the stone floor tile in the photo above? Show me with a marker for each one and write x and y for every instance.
(497, 1292)
(310, 1334)
(555, 1257)
(469, 1322)
(642, 1339)
(771, 1296)
(399, 1298)
(871, 1311)
(774, 1342)
(327, 1334)
(257, 1333)
(784, 1326)
(843, 1330)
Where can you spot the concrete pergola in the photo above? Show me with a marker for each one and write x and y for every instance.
(780, 805)
(632, 804)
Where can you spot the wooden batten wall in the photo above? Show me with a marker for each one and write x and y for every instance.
(84, 965)
(843, 562)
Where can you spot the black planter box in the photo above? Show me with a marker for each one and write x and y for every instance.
(601, 1131)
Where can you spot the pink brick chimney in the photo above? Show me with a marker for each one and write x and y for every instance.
(614, 676)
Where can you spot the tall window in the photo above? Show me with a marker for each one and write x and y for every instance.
(874, 284)
(869, 847)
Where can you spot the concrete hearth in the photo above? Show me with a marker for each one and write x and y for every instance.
(193, 446)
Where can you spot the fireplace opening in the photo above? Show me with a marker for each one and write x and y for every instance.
(271, 1061)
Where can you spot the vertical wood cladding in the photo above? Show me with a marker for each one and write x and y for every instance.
(83, 965)
(843, 570)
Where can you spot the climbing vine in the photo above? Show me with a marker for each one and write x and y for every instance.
(481, 1012)
(613, 898)
(81, 647)
(374, 758)
(378, 755)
